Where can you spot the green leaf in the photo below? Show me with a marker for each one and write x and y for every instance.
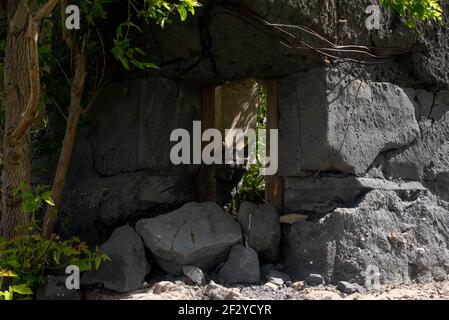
(57, 257)
(413, 11)
(4, 273)
(97, 262)
(138, 50)
(46, 196)
(22, 289)
(182, 12)
(8, 295)
(124, 62)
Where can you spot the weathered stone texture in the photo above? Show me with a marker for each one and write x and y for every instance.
(128, 264)
(405, 238)
(199, 235)
(338, 124)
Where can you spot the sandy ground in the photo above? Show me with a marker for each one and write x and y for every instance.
(178, 290)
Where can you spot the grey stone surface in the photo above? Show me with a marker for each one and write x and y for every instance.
(121, 170)
(276, 281)
(130, 126)
(278, 277)
(55, 289)
(261, 227)
(406, 239)
(242, 266)
(106, 202)
(195, 274)
(350, 288)
(266, 269)
(337, 123)
(315, 280)
(311, 140)
(217, 45)
(278, 274)
(121, 164)
(128, 266)
(198, 235)
(425, 160)
(326, 193)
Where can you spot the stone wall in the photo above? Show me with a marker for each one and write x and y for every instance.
(121, 165)
(367, 162)
(363, 148)
(336, 126)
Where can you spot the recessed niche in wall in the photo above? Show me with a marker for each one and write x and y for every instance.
(242, 104)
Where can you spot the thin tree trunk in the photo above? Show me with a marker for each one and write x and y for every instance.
(65, 156)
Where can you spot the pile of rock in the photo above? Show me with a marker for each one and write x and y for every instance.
(191, 241)
(388, 237)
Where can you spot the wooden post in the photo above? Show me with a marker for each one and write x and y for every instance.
(274, 185)
(206, 189)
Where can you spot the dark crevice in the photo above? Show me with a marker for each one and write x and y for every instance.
(429, 116)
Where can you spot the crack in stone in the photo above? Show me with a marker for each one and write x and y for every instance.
(176, 235)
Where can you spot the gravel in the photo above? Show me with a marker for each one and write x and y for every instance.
(173, 291)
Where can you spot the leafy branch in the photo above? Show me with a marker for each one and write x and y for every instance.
(25, 259)
(412, 11)
(159, 11)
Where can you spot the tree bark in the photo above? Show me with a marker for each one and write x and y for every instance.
(22, 92)
(16, 152)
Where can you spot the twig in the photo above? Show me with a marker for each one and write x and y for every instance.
(291, 41)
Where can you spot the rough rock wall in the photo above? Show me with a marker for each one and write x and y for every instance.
(121, 167)
(402, 237)
(217, 45)
(352, 139)
(346, 130)
(333, 124)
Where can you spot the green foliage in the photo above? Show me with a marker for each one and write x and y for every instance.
(25, 259)
(32, 198)
(262, 108)
(123, 51)
(253, 187)
(413, 11)
(8, 294)
(94, 10)
(253, 184)
(159, 11)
